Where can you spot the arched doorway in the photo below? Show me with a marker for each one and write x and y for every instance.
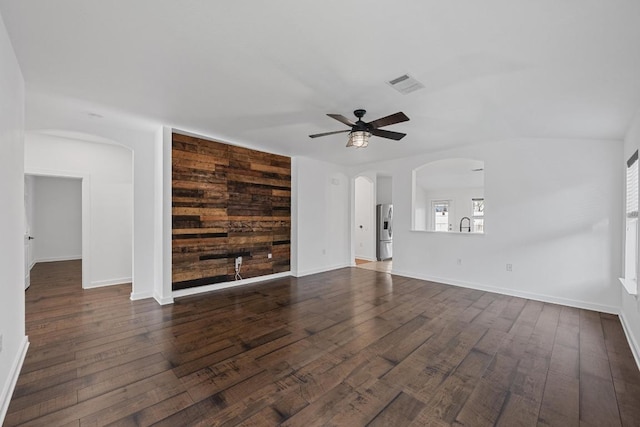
(105, 170)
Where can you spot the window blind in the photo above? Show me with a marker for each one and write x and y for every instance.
(632, 186)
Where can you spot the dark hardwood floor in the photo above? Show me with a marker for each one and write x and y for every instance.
(349, 347)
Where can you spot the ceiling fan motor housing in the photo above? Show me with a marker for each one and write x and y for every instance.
(360, 125)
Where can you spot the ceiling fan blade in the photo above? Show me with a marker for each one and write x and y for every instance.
(329, 133)
(397, 136)
(342, 119)
(389, 120)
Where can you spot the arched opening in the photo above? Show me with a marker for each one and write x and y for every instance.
(372, 242)
(448, 196)
(105, 169)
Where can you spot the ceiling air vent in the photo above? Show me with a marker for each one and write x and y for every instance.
(405, 84)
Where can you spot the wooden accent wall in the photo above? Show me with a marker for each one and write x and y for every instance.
(227, 202)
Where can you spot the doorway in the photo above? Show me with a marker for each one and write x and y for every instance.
(364, 233)
(370, 189)
(56, 221)
(29, 259)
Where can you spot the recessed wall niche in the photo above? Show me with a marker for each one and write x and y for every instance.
(448, 196)
(227, 202)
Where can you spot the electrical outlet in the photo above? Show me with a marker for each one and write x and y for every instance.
(270, 256)
(459, 261)
(509, 267)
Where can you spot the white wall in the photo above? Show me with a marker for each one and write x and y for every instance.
(320, 217)
(68, 116)
(384, 191)
(57, 217)
(365, 217)
(630, 305)
(570, 257)
(420, 210)
(109, 169)
(12, 267)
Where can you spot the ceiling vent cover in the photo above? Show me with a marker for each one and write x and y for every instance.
(405, 84)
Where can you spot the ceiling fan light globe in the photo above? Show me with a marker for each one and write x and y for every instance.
(358, 139)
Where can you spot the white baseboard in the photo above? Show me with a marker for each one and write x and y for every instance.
(109, 282)
(321, 270)
(514, 293)
(10, 385)
(33, 262)
(140, 295)
(145, 295)
(224, 285)
(633, 343)
(163, 301)
(57, 258)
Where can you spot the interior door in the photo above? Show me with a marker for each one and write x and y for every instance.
(27, 231)
(365, 232)
(27, 272)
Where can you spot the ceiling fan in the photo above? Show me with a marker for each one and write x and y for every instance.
(361, 131)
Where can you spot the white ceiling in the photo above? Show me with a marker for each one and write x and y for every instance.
(266, 73)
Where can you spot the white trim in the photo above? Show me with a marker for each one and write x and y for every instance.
(166, 257)
(140, 295)
(163, 301)
(58, 258)
(322, 269)
(515, 293)
(10, 385)
(631, 286)
(108, 282)
(160, 288)
(633, 344)
(224, 285)
(451, 233)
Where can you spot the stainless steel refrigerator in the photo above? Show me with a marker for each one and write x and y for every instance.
(384, 232)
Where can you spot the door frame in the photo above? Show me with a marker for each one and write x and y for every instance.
(432, 214)
(27, 236)
(86, 213)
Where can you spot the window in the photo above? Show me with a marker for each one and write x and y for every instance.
(440, 210)
(632, 186)
(477, 220)
(630, 280)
